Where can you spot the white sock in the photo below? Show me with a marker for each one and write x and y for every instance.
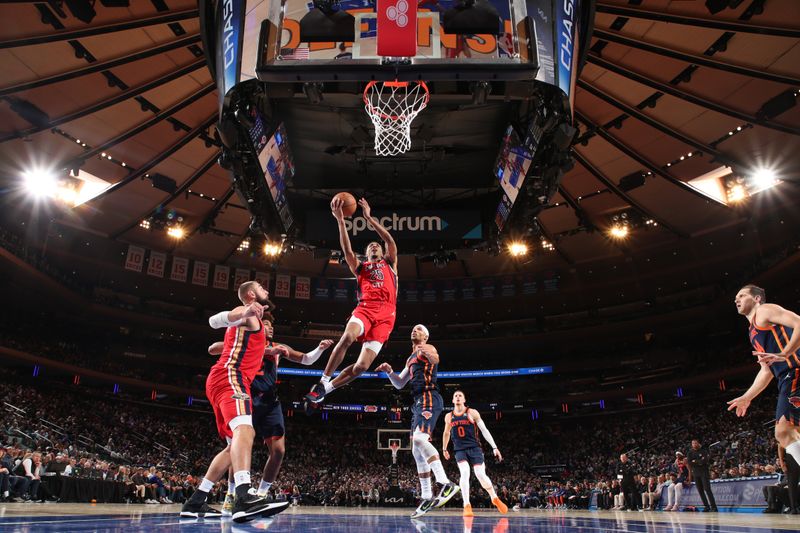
(425, 483)
(794, 450)
(463, 482)
(231, 487)
(206, 485)
(325, 379)
(263, 487)
(242, 477)
(328, 386)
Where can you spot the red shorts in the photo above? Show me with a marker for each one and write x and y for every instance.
(229, 394)
(378, 321)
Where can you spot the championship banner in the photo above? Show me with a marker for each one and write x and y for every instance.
(429, 292)
(156, 264)
(508, 286)
(321, 289)
(449, 291)
(200, 273)
(340, 290)
(221, 277)
(180, 269)
(135, 259)
(241, 275)
(550, 281)
(488, 287)
(411, 291)
(529, 285)
(467, 289)
(283, 283)
(263, 279)
(302, 288)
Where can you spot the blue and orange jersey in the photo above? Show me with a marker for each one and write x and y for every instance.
(242, 352)
(773, 339)
(266, 380)
(463, 431)
(377, 283)
(423, 374)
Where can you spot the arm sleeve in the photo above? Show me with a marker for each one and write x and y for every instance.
(311, 357)
(26, 464)
(220, 320)
(486, 434)
(399, 380)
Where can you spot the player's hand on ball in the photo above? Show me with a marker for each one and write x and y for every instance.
(336, 208)
(446, 455)
(324, 345)
(498, 455)
(365, 207)
(740, 404)
(384, 367)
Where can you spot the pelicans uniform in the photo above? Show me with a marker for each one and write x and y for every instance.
(464, 434)
(772, 339)
(428, 404)
(228, 382)
(267, 412)
(377, 302)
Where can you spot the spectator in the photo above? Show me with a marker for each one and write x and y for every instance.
(680, 481)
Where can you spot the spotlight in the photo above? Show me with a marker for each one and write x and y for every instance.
(40, 182)
(272, 250)
(176, 232)
(737, 193)
(764, 178)
(244, 245)
(619, 231)
(518, 249)
(144, 224)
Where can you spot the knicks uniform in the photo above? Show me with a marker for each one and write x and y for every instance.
(228, 382)
(267, 411)
(464, 434)
(772, 339)
(428, 404)
(377, 301)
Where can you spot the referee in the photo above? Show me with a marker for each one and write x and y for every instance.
(698, 468)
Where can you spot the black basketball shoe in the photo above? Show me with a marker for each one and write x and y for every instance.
(199, 510)
(251, 507)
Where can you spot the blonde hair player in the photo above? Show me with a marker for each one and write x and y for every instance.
(775, 336)
(373, 318)
(462, 425)
(420, 371)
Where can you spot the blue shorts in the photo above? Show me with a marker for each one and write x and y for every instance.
(474, 456)
(426, 411)
(268, 419)
(789, 387)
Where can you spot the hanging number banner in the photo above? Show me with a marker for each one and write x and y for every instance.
(302, 288)
(200, 273)
(156, 264)
(135, 259)
(180, 269)
(241, 276)
(221, 277)
(283, 284)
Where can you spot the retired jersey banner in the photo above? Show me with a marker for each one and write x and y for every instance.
(240, 277)
(263, 279)
(222, 276)
(157, 264)
(302, 288)
(135, 258)
(283, 283)
(200, 273)
(180, 269)
(321, 289)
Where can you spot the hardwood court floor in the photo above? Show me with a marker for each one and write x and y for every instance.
(51, 518)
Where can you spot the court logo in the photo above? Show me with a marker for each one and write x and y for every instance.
(397, 13)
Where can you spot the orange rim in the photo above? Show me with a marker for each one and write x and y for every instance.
(373, 111)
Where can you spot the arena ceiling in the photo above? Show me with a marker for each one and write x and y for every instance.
(128, 95)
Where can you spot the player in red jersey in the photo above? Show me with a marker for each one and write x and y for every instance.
(228, 390)
(373, 318)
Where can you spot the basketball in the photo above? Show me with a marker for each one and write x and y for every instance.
(349, 204)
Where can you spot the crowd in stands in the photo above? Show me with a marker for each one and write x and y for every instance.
(159, 453)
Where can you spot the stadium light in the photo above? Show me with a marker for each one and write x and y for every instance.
(619, 231)
(764, 178)
(272, 250)
(244, 245)
(518, 249)
(176, 232)
(40, 182)
(737, 193)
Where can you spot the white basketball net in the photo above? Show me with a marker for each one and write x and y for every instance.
(392, 106)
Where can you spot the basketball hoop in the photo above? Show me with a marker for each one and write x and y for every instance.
(394, 445)
(392, 106)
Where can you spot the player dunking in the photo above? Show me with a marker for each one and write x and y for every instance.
(462, 425)
(267, 411)
(373, 318)
(775, 336)
(420, 370)
(228, 390)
